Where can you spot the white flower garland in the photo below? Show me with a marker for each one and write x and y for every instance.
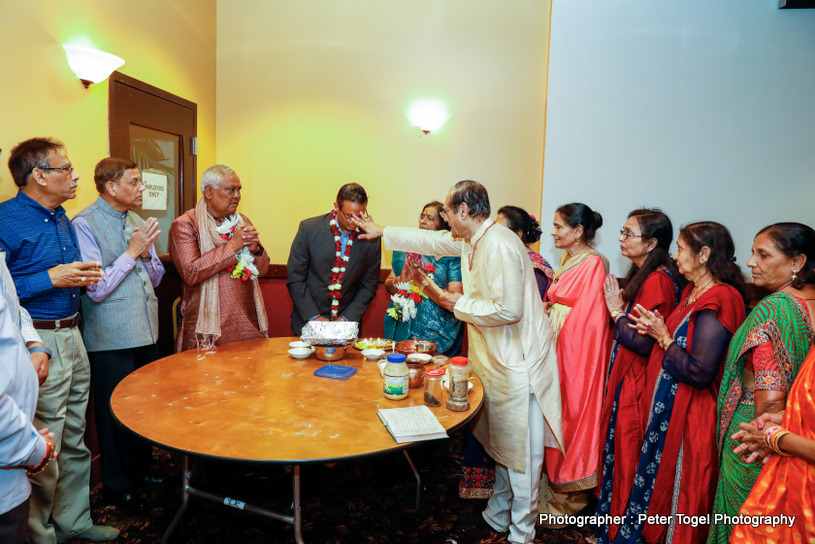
(337, 272)
(245, 269)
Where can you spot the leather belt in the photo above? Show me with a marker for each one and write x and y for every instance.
(52, 324)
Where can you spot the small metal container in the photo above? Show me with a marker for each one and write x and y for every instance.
(329, 353)
(416, 374)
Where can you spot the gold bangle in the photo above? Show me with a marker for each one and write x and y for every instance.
(664, 342)
(617, 313)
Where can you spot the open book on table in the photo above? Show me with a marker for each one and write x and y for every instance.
(411, 424)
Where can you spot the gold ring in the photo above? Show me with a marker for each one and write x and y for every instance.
(82, 280)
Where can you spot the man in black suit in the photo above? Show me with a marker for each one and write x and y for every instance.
(332, 274)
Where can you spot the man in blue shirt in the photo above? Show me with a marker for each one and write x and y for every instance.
(43, 258)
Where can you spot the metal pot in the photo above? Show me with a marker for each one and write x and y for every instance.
(415, 346)
(329, 353)
(415, 375)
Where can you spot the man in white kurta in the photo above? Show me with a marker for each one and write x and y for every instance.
(511, 348)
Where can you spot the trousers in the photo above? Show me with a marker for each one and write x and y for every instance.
(125, 457)
(513, 505)
(60, 499)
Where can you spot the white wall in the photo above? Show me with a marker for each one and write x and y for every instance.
(705, 109)
(312, 94)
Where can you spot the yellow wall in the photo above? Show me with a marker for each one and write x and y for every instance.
(312, 94)
(168, 44)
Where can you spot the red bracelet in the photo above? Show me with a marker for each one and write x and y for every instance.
(40, 467)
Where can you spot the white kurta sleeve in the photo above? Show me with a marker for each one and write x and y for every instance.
(425, 242)
(504, 286)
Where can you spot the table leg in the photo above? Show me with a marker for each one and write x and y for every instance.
(418, 480)
(185, 500)
(298, 520)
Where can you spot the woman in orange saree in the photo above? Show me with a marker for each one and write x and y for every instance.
(577, 310)
(786, 484)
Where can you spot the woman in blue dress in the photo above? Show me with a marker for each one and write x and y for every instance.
(432, 323)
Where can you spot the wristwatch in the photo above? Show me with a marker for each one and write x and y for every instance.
(41, 349)
(616, 313)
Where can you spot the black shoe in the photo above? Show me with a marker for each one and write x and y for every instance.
(129, 502)
(152, 480)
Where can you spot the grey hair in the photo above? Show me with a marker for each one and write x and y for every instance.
(213, 175)
(474, 194)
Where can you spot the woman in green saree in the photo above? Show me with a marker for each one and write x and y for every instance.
(765, 354)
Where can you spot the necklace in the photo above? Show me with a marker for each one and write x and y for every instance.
(693, 298)
(471, 256)
(340, 263)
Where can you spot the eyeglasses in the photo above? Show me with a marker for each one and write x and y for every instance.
(134, 183)
(444, 211)
(349, 217)
(626, 234)
(67, 169)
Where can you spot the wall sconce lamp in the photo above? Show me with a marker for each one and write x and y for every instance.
(428, 115)
(91, 65)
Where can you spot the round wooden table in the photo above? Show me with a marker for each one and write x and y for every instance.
(251, 401)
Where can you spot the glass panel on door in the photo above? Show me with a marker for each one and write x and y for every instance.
(157, 155)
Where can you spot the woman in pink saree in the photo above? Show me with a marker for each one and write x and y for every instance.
(580, 322)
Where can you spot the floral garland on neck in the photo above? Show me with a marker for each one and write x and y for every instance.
(340, 263)
(245, 268)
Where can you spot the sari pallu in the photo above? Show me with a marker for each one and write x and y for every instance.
(782, 321)
(580, 322)
(623, 420)
(786, 484)
(677, 466)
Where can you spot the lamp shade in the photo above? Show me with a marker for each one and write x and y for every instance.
(428, 115)
(91, 65)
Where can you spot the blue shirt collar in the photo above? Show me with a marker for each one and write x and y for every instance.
(26, 200)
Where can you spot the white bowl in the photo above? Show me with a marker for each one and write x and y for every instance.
(300, 353)
(424, 358)
(299, 344)
(373, 354)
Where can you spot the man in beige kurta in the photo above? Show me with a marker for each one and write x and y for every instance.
(511, 348)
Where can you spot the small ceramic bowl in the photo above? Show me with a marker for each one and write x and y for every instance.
(300, 353)
(373, 354)
(299, 344)
(423, 358)
(440, 360)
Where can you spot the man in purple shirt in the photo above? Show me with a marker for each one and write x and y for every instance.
(120, 315)
(43, 258)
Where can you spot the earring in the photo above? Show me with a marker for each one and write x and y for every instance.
(703, 261)
(794, 275)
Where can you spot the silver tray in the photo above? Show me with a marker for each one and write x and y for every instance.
(330, 333)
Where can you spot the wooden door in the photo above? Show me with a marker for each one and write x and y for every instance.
(157, 130)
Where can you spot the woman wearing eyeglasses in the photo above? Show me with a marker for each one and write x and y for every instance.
(653, 281)
(678, 462)
(431, 323)
(579, 320)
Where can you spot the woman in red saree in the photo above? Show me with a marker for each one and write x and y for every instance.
(786, 484)
(678, 464)
(654, 282)
(579, 319)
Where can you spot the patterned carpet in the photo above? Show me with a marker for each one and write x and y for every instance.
(369, 500)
